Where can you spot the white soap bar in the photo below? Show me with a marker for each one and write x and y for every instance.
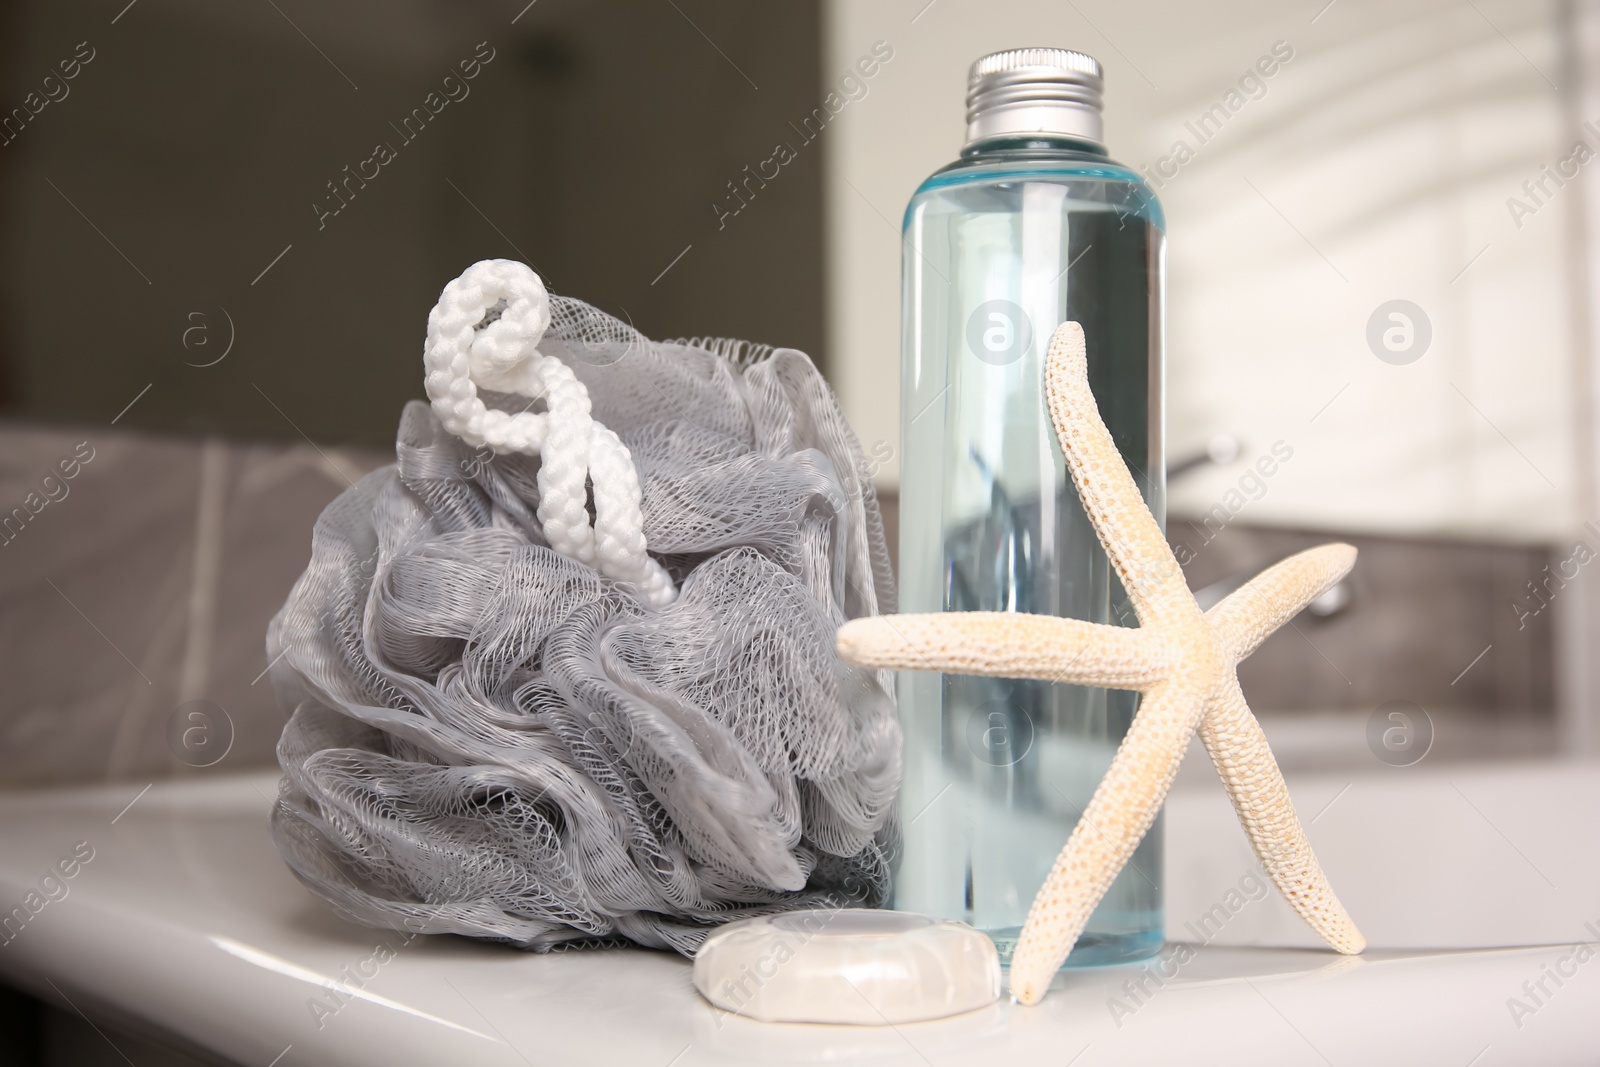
(851, 965)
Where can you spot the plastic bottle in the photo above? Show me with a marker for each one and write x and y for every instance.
(1034, 224)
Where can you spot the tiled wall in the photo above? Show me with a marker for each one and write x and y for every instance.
(1419, 614)
(139, 589)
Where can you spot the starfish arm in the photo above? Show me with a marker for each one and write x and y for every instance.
(1006, 644)
(1239, 750)
(1253, 611)
(1117, 817)
(1134, 543)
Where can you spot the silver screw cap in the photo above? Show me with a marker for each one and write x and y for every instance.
(1035, 90)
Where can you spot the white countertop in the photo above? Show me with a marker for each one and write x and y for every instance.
(186, 919)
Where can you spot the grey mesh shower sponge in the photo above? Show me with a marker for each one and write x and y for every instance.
(492, 739)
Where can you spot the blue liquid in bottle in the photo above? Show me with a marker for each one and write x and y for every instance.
(1034, 225)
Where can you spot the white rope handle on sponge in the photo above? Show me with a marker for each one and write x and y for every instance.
(574, 449)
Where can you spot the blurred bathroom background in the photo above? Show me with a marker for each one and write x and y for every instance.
(213, 292)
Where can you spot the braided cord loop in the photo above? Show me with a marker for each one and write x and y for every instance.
(484, 333)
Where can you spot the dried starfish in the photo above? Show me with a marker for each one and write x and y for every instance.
(1182, 660)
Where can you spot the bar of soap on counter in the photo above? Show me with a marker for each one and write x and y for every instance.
(852, 965)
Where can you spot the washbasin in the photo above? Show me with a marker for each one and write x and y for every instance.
(1473, 883)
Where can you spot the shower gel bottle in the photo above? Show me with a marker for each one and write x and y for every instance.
(1034, 225)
